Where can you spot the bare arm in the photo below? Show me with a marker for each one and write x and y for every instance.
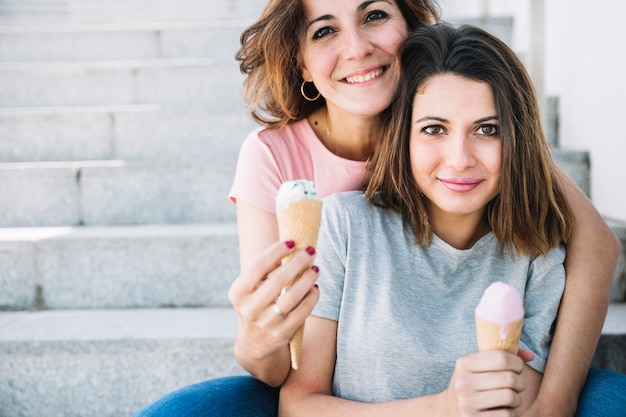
(590, 264)
(262, 336)
(480, 381)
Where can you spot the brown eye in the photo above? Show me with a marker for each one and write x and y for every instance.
(433, 130)
(488, 130)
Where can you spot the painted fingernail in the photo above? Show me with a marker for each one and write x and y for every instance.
(315, 268)
(310, 250)
(290, 244)
(317, 286)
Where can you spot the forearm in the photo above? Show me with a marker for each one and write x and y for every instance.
(320, 405)
(272, 369)
(590, 264)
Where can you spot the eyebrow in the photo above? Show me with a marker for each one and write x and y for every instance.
(359, 9)
(442, 120)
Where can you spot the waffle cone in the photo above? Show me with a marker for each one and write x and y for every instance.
(300, 222)
(489, 335)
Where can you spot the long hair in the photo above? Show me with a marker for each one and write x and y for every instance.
(270, 58)
(530, 214)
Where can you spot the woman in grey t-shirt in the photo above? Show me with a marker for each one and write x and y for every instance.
(462, 193)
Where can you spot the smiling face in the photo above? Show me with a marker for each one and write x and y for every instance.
(349, 52)
(455, 145)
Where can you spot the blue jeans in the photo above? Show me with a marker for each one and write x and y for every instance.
(604, 395)
(233, 396)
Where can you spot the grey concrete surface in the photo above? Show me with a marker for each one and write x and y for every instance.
(118, 267)
(618, 290)
(115, 192)
(118, 41)
(175, 83)
(108, 363)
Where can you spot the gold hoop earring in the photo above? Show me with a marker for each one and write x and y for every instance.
(304, 93)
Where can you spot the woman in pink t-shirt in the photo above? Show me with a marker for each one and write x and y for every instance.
(318, 75)
(346, 65)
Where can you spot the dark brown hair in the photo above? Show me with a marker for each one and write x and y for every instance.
(270, 57)
(530, 214)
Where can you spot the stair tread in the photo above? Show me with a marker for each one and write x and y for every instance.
(34, 234)
(117, 325)
(218, 22)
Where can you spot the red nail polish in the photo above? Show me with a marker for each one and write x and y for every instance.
(290, 244)
(310, 250)
(315, 268)
(317, 286)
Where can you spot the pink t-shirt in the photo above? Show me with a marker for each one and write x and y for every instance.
(268, 157)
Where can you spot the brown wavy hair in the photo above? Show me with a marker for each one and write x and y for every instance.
(530, 214)
(270, 58)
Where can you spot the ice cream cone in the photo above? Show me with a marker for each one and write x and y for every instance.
(499, 318)
(492, 336)
(298, 211)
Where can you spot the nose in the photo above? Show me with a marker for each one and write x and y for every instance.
(459, 152)
(356, 44)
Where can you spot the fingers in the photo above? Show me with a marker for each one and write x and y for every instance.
(301, 296)
(256, 290)
(249, 279)
(488, 382)
(265, 326)
(280, 277)
(526, 355)
(492, 360)
(284, 316)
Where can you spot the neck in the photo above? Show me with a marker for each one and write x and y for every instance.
(348, 137)
(461, 231)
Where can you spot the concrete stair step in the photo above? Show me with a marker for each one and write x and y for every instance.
(577, 164)
(108, 363)
(217, 39)
(112, 363)
(137, 132)
(118, 267)
(68, 11)
(612, 345)
(618, 291)
(184, 83)
(115, 192)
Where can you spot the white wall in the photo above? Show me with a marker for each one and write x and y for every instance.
(585, 66)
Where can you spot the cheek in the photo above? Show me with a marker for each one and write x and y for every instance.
(494, 159)
(421, 161)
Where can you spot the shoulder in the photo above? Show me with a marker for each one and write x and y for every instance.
(347, 202)
(351, 209)
(288, 136)
(555, 256)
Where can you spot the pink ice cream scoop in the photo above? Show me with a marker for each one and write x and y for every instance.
(499, 318)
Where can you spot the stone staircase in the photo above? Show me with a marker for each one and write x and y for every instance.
(120, 123)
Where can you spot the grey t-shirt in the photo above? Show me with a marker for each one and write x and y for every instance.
(405, 312)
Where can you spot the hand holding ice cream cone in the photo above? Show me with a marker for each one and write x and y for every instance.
(298, 211)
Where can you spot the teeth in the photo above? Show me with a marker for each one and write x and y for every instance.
(366, 77)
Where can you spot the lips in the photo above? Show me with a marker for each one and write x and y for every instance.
(461, 184)
(365, 77)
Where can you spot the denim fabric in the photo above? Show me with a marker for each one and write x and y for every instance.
(235, 396)
(604, 395)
